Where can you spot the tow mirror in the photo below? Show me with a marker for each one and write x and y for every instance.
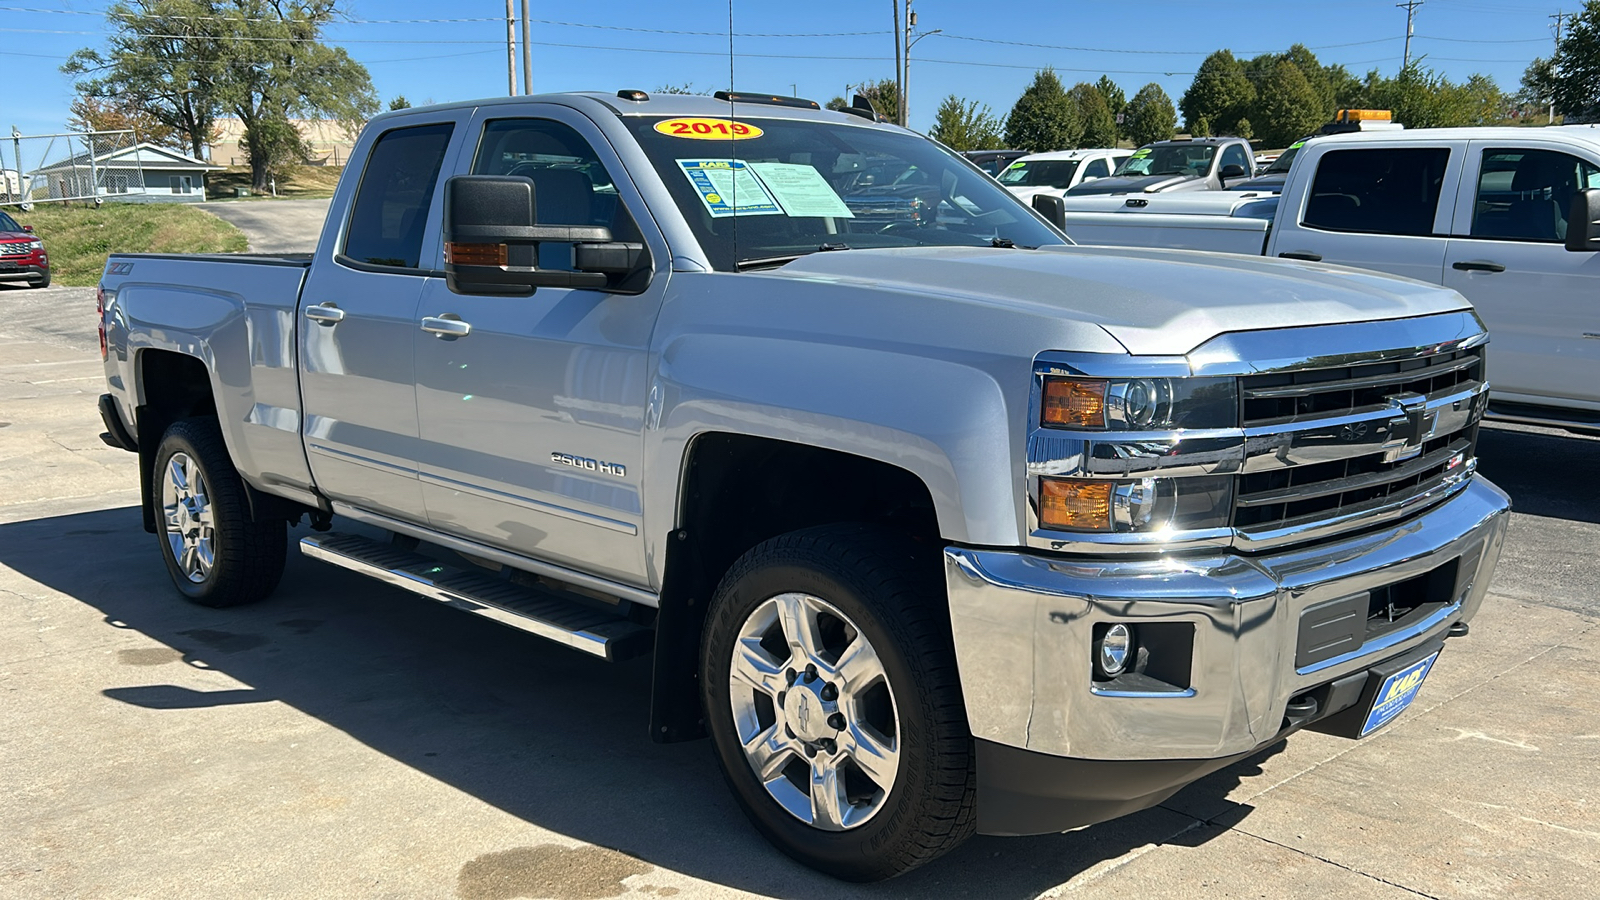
(28, 228)
(492, 236)
(1583, 222)
(1053, 208)
(1233, 170)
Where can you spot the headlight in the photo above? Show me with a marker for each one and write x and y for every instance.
(1135, 504)
(1139, 404)
(36, 245)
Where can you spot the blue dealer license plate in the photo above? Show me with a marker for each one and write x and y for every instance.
(1396, 693)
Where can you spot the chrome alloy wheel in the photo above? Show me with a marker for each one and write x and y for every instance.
(813, 710)
(191, 526)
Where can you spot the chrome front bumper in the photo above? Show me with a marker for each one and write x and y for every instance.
(1024, 623)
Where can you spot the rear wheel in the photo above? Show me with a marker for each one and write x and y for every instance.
(833, 702)
(216, 554)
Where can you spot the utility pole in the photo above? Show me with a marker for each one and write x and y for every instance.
(527, 53)
(1560, 17)
(899, 66)
(911, 41)
(511, 51)
(1410, 6)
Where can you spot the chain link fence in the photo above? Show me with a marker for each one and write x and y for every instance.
(90, 166)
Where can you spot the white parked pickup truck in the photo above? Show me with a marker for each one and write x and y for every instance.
(1510, 217)
(1058, 171)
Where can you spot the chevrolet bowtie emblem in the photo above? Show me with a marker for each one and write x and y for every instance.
(1408, 428)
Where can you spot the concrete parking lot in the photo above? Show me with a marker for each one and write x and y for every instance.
(275, 226)
(346, 739)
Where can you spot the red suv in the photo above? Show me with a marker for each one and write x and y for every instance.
(22, 256)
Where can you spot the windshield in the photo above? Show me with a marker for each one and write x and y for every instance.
(782, 188)
(1281, 164)
(8, 224)
(1172, 159)
(1055, 173)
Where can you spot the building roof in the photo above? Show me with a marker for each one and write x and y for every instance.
(142, 155)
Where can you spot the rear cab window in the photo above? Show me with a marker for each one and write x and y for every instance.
(1525, 194)
(1377, 190)
(389, 217)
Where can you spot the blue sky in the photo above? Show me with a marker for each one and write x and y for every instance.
(819, 46)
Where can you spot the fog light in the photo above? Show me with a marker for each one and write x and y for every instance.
(1116, 648)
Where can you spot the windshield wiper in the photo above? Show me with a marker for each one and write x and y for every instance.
(775, 261)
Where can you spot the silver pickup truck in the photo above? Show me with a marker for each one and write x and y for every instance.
(935, 523)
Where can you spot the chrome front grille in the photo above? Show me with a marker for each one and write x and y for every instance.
(18, 248)
(1286, 397)
(1327, 447)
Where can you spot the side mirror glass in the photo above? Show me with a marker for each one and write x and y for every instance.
(1583, 222)
(1233, 170)
(492, 236)
(1053, 208)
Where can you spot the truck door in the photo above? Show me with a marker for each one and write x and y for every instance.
(1540, 301)
(1386, 208)
(532, 422)
(358, 319)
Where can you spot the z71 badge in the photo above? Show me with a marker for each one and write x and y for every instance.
(589, 465)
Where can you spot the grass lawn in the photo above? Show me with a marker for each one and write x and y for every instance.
(78, 238)
(301, 182)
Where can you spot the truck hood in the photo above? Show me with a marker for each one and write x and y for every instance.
(1143, 184)
(1153, 302)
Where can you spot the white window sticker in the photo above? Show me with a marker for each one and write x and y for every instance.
(801, 190)
(721, 182)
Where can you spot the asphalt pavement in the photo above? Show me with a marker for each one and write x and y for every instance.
(347, 739)
(274, 226)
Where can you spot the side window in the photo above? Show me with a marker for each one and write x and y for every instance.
(1097, 168)
(570, 184)
(1233, 155)
(390, 212)
(1524, 195)
(1378, 191)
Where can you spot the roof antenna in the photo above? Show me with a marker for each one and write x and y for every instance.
(733, 156)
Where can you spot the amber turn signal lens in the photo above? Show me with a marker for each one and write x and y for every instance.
(1074, 404)
(1070, 504)
(475, 254)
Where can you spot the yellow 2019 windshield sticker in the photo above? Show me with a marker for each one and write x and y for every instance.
(700, 128)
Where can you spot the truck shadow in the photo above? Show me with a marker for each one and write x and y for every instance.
(548, 735)
(1527, 464)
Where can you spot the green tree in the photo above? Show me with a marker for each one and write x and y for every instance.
(165, 58)
(399, 102)
(1537, 91)
(1573, 80)
(188, 61)
(1115, 99)
(1318, 77)
(966, 125)
(1099, 122)
(1422, 98)
(1150, 116)
(881, 94)
(1043, 118)
(1220, 93)
(277, 69)
(1287, 107)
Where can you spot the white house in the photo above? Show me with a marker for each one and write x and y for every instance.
(141, 172)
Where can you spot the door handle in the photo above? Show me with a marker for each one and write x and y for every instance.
(325, 313)
(1477, 265)
(448, 325)
(1308, 257)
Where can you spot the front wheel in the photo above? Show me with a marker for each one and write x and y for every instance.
(215, 552)
(833, 701)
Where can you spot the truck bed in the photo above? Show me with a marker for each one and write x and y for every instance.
(1224, 221)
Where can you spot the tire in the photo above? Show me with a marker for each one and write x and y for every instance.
(42, 283)
(893, 735)
(216, 554)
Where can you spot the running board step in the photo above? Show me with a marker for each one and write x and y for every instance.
(541, 612)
